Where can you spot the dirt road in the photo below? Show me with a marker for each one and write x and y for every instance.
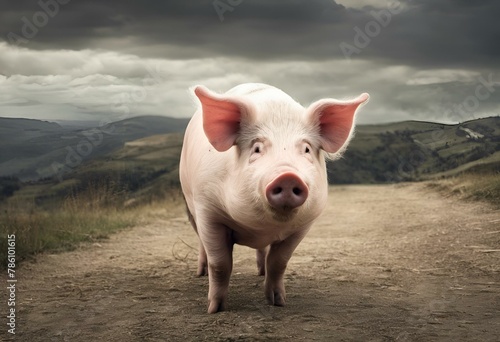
(384, 263)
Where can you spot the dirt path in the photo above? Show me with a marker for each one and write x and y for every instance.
(384, 263)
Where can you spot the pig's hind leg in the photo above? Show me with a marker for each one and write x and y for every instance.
(202, 261)
(202, 255)
(261, 260)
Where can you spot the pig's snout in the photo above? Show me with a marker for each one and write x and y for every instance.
(286, 192)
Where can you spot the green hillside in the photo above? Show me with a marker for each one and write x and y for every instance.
(34, 149)
(141, 171)
(408, 151)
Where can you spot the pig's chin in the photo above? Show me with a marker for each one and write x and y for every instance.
(284, 214)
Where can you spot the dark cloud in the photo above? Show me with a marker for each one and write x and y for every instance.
(442, 33)
(427, 32)
(419, 59)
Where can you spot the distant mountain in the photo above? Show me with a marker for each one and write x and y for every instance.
(24, 130)
(413, 150)
(15, 125)
(403, 151)
(34, 149)
(77, 124)
(143, 126)
(21, 142)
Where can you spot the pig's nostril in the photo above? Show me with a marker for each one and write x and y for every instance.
(277, 190)
(297, 191)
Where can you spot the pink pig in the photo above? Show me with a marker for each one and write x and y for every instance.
(253, 172)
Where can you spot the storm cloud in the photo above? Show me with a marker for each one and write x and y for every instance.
(422, 59)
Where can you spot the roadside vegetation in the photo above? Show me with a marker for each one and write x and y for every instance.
(471, 186)
(87, 216)
(82, 217)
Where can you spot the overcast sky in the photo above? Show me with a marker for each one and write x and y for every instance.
(436, 60)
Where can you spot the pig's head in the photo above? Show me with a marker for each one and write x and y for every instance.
(277, 173)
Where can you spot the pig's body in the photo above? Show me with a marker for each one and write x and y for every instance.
(253, 173)
(208, 178)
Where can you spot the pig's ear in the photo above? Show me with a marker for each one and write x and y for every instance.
(222, 115)
(336, 121)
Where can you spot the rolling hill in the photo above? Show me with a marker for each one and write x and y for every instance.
(136, 161)
(411, 150)
(34, 149)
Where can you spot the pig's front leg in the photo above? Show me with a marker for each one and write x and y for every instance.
(277, 259)
(218, 244)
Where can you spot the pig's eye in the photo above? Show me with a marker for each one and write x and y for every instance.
(257, 150)
(307, 151)
(257, 147)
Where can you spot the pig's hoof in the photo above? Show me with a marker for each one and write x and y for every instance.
(202, 271)
(215, 306)
(202, 268)
(276, 298)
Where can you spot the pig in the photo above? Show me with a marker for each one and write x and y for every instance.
(253, 172)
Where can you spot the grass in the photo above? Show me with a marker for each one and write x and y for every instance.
(38, 231)
(87, 216)
(472, 185)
